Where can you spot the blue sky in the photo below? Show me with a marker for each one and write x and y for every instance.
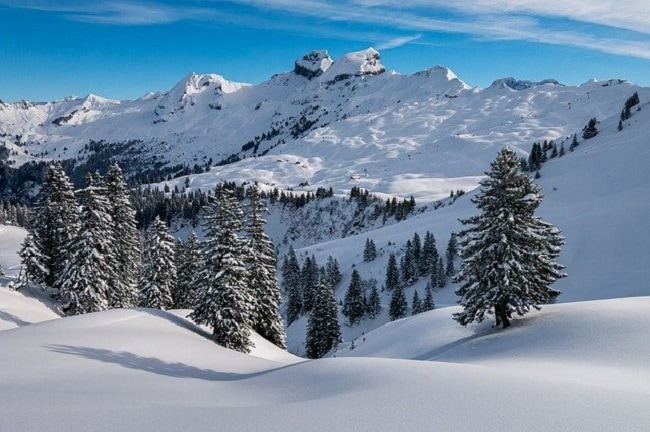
(122, 49)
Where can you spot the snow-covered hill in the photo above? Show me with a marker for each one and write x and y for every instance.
(581, 367)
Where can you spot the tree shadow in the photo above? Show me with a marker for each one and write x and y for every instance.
(479, 332)
(6, 316)
(149, 364)
(184, 323)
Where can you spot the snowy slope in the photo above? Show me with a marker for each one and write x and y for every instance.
(151, 370)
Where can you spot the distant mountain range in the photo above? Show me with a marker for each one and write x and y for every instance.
(342, 122)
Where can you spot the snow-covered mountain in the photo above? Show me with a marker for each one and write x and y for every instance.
(338, 123)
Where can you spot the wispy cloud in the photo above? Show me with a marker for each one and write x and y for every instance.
(398, 42)
(608, 26)
(126, 12)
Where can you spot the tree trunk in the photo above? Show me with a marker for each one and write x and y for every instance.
(501, 315)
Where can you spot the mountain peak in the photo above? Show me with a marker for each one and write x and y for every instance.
(313, 64)
(358, 63)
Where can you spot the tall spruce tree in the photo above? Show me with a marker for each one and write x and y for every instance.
(123, 292)
(188, 266)
(409, 265)
(398, 304)
(56, 222)
(369, 250)
(34, 263)
(508, 254)
(85, 281)
(373, 306)
(353, 304)
(263, 281)
(223, 299)
(323, 329)
(291, 285)
(333, 271)
(427, 302)
(451, 254)
(392, 273)
(158, 274)
(416, 303)
(428, 256)
(309, 281)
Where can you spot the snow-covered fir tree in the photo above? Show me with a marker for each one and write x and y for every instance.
(409, 265)
(451, 254)
(333, 271)
(291, 285)
(34, 269)
(416, 303)
(508, 254)
(353, 304)
(428, 256)
(56, 222)
(392, 273)
(309, 280)
(263, 281)
(223, 298)
(369, 250)
(158, 272)
(123, 293)
(188, 266)
(86, 279)
(427, 302)
(323, 329)
(416, 253)
(442, 276)
(373, 306)
(398, 304)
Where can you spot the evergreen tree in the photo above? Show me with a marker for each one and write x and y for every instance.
(574, 143)
(291, 284)
(398, 305)
(263, 281)
(353, 305)
(85, 281)
(223, 300)
(416, 303)
(123, 292)
(427, 303)
(369, 251)
(34, 263)
(440, 272)
(392, 273)
(408, 265)
(309, 281)
(508, 254)
(56, 222)
(590, 130)
(333, 271)
(188, 266)
(416, 253)
(451, 254)
(323, 329)
(158, 273)
(373, 306)
(429, 255)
